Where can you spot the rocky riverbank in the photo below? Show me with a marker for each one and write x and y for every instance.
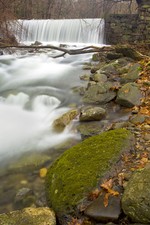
(105, 178)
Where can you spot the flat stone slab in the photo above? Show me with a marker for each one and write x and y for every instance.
(100, 213)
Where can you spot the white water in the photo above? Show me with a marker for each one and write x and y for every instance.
(63, 31)
(36, 89)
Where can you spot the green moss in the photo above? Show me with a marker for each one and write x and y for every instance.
(29, 216)
(78, 170)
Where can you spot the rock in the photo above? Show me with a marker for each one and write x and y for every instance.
(91, 128)
(127, 51)
(60, 123)
(79, 169)
(129, 95)
(99, 77)
(113, 55)
(109, 69)
(85, 77)
(100, 213)
(136, 198)
(24, 198)
(132, 75)
(91, 113)
(122, 124)
(37, 43)
(99, 94)
(29, 216)
(1, 52)
(138, 119)
(29, 162)
(95, 57)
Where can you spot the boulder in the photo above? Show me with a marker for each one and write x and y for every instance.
(88, 129)
(91, 113)
(99, 93)
(129, 95)
(127, 51)
(60, 123)
(113, 55)
(29, 216)
(97, 77)
(136, 198)
(79, 169)
(132, 75)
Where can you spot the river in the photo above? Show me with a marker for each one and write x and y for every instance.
(35, 89)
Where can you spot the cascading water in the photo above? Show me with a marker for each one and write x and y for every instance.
(35, 89)
(63, 31)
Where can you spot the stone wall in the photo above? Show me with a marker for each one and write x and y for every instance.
(129, 28)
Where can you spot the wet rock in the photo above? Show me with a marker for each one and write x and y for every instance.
(95, 57)
(100, 213)
(136, 198)
(79, 169)
(29, 162)
(24, 198)
(132, 75)
(37, 43)
(85, 77)
(60, 123)
(91, 128)
(1, 52)
(99, 93)
(91, 113)
(29, 216)
(129, 95)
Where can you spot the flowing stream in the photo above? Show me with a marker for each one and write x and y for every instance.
(35, 89)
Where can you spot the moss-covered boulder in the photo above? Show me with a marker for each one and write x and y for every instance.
(29, 216)
(79, 169)
(136, 198)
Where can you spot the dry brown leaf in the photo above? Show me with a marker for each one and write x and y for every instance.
(107, 184)
(94, 194)
(106, 197)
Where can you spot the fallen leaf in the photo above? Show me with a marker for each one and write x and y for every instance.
(43, 172)
(107, 184)
(94, 194)
(106, 197)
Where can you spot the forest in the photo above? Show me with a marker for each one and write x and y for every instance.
(63, 9)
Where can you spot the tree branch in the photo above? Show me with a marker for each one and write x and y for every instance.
(87, 49)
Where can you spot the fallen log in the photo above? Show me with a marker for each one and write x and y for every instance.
(87, 49)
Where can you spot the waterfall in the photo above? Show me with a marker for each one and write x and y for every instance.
(63, 31)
